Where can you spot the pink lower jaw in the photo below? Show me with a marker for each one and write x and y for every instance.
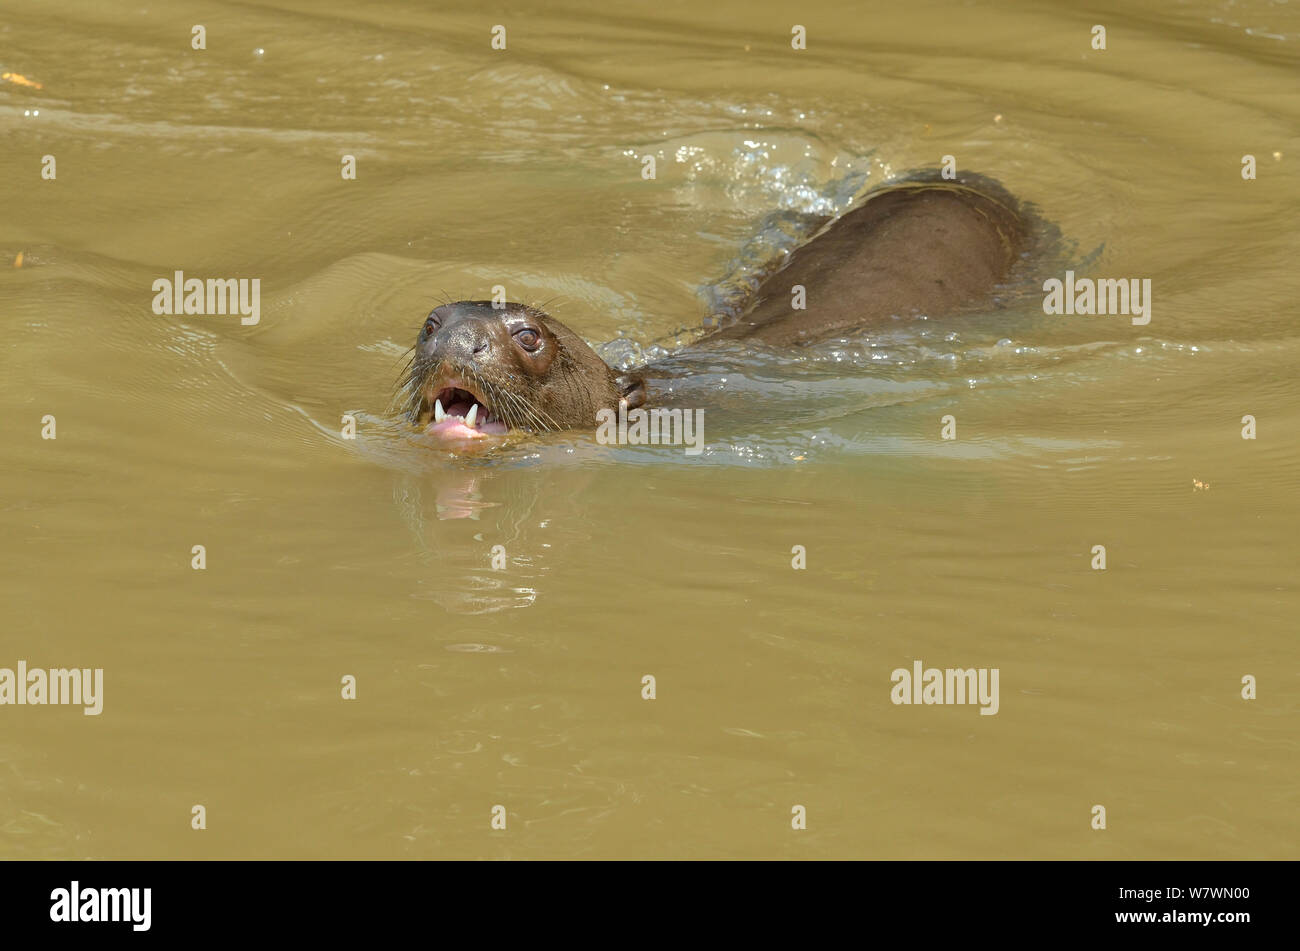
(453, 427)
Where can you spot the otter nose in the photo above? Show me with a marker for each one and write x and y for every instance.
(465, 340)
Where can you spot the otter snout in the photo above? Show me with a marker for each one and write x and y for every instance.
(463, 339)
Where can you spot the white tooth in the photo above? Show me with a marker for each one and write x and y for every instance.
(473, 415)
(438, 413)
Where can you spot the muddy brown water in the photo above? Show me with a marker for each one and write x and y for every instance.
(372, 558)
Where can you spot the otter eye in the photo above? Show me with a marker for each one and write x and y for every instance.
(528, 338)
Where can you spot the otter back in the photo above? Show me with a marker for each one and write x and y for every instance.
(915, 248)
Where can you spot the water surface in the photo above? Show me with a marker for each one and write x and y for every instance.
(372, 557)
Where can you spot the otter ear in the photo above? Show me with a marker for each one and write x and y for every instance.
(632, 388)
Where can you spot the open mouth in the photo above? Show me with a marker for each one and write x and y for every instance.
(460, 413)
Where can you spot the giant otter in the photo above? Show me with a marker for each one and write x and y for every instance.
(479, 370)
(921, 246)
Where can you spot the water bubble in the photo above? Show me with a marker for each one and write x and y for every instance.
(622, 353)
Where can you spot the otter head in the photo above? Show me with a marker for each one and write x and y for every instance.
(480, 370)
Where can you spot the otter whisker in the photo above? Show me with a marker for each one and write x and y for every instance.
(517, 409)
(530, 412)
(507, 405)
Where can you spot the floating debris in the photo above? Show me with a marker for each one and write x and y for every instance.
(18, 79)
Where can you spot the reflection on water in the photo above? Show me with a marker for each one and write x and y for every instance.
(500, 610)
